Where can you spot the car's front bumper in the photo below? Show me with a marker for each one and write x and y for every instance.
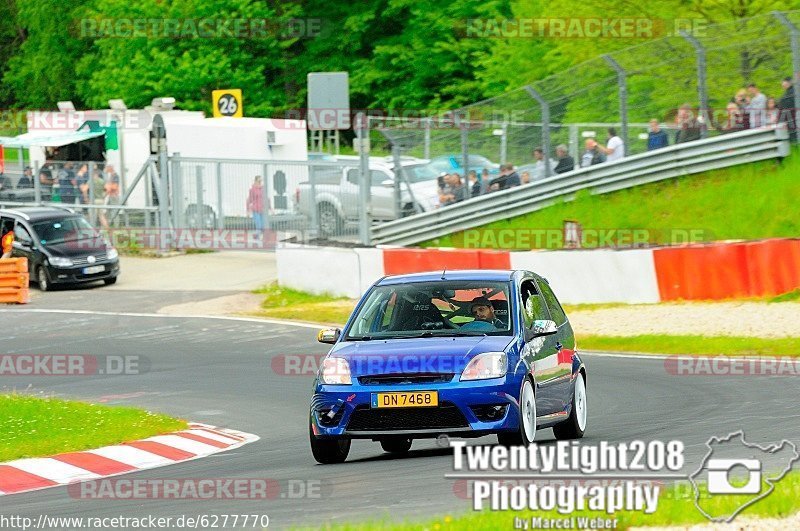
(76, 275)
(466, 409)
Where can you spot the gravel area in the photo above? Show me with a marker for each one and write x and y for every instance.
(738, 524)
(747, 319)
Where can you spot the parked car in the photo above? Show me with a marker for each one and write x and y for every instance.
(455, 163)
(336, 191)
(461, 353)
(61, 246)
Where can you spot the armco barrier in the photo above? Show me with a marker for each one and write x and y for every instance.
(714, 271)
(14, 281)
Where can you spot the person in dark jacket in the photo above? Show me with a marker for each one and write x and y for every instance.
(688, 126)
(593, 154)
(786, 110)
(565, 162)
(656, 138)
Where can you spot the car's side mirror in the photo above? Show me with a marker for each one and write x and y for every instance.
(329, 335)
(540, 328)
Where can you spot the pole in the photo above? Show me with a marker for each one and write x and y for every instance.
(702, 91)
(364, 221)
(465, 153)
(794, 34)
(504, 143)
(427, 149)
(622, 83)
(545, 127)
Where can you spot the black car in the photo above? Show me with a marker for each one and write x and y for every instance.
(61, 246)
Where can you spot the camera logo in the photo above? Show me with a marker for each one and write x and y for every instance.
(722, 480)
(734, 474)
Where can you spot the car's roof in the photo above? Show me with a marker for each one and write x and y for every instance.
(495, 275)
(38, 213)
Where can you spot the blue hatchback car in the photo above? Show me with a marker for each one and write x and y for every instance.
(457, 353)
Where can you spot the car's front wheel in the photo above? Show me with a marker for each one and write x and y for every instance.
(329, 451)
(527, 419)
(575, 425)
(41, 279)
(396, 446)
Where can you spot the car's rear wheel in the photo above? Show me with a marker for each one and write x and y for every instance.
(329, 451)
(110, 281)
(527, 419)
(575, 425)
(41, 279)
(396, 445)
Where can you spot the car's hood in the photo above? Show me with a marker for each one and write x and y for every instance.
(421, 355)
(77, 249)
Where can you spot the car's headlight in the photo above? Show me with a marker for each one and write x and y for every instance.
(60, 262)
(335, 371)
(485, 366)
(112, 253)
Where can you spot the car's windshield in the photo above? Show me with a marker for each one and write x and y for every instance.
(417, 173)
(63, 230)
(432, 309)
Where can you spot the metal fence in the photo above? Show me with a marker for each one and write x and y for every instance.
(624, 89)
(674, 161)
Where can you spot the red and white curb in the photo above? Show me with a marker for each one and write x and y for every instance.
(200, 440)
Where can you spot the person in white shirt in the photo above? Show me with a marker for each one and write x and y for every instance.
(615, 147)
(539, 169)
(757, 108)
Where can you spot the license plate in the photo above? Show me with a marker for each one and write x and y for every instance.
(406, 399)
(93, 269)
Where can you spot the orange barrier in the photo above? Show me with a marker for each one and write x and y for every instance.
(14, 281)
(728, 270)
(401, 261)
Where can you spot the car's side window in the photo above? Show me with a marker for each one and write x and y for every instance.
(532, 305)
(353, 175)
(21, 234)
(556, 311)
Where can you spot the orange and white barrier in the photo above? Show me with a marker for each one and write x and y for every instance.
(14, 280)
(715, 271)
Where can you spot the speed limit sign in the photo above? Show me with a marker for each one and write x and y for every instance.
(227, 102)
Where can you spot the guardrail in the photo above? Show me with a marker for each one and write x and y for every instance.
(674, 161)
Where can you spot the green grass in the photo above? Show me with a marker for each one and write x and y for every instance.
(691, 344)
(750, 201)
(287, 303)
(789, 296)
(675, 507)
(32, 426)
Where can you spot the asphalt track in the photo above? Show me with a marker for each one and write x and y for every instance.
(218, 371)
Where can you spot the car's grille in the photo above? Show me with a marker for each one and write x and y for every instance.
(395, 379)
(84, 260)
(445, 416)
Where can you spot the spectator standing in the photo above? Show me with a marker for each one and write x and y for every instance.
(82, 183)
(98, 193)
(26, 181)
(657, 138)
(46, 184)
(786, 110)
(615, 147)
(66, 183)
(255, 203)
(757, 107)
(688, 127)
(111, 196)
(735, 118)
(525, 177)
(593, 155)
(772, 112)
(453, 191)
(565, 162)
(478, 186)
(539, 169)
(5, 183)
